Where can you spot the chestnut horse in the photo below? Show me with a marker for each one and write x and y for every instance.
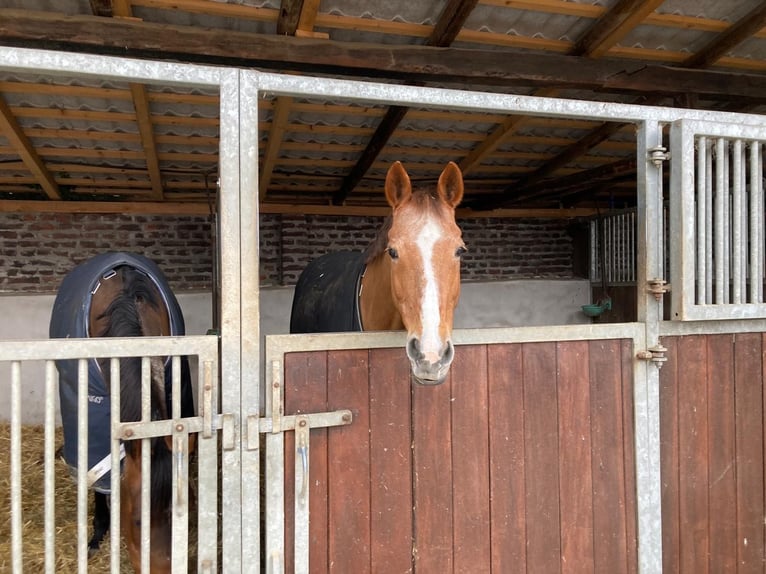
(125, 301)
(409, 277)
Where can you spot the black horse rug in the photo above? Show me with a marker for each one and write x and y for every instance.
(326, 298)
(70, 319)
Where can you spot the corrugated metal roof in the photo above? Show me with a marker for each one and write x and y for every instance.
(86, 132)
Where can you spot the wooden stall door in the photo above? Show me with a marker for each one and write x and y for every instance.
(712, 449)
(522, 461)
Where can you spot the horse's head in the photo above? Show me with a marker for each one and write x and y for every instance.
(424, 250)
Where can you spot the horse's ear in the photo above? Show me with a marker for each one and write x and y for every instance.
(398, 186)
(450, 185)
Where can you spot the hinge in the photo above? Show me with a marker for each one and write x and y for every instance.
(658, 154)
(655, 354)
(658, 287)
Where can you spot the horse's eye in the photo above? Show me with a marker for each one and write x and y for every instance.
(460, 251)
(393, 253)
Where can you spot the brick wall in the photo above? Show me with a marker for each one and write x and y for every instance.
(36, 250)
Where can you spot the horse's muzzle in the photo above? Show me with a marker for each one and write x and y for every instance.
(425, 371)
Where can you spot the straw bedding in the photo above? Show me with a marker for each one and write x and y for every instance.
(32, 477)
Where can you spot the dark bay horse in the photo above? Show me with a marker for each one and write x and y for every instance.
(409, 277)
(122, 295)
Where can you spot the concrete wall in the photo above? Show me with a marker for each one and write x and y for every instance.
(497, 304)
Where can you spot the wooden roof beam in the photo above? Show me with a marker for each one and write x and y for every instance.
(15, 135)
(444, 33)
(129, 38)
(292, 15)
(737, 33)
(613, 26)
(609, 29)
(123, 9)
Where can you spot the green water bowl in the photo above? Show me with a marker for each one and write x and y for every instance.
(595, 309)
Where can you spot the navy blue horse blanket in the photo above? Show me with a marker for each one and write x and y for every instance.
(70, 319)
(326, 298)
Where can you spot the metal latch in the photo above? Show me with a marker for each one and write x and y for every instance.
(655, 354)
(658, 287)
(658, 154)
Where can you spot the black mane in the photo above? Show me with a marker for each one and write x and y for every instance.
(123, 320)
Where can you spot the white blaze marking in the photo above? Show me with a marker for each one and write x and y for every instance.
(430, 343)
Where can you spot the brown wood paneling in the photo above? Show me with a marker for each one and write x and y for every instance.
(723, 486)
(692, 454)
(470, 462)
(541, 457)
(748, 389)
(432, 477)
(522, 461)
(609, 520)
(712, 439)
(629, 453)
(576, 486)
(305, 392)
(390, 462)
(506, 443)
(671, 535)
(349, 482)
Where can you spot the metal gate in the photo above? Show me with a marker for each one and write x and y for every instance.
(735, 225)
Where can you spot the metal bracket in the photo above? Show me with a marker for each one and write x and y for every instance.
(658, 154)
(658, 287)
(656, 354)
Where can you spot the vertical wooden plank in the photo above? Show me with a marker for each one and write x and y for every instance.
(669, 457)
(541, 462)
(574, 422)
(629, 444)
(432, 477)
(305, 388)
(722, 467)
(607, 441)
(349, 460)
(390, 461)
(693, 453)
(470, 451)
(506, 445)
(748, 388)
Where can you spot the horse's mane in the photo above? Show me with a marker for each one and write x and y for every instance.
(124, 320)
(424, 198)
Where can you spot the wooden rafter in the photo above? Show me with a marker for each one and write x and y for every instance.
(292, 14)
(15, 135)
(614, 26)
(122, 9)
(740, 31)
(400, 62)
(602, 35)
(446, 30)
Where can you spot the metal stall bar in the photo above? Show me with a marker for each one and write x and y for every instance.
(16, 532)
(51, 384)
(708, 175)
(737, 231)
(231, 321)
(756, 224)
(115, 484)
(701, 222)
(250, 337)
(650, 265)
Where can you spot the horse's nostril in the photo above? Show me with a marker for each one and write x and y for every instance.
(413, 349)
(449, 353)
